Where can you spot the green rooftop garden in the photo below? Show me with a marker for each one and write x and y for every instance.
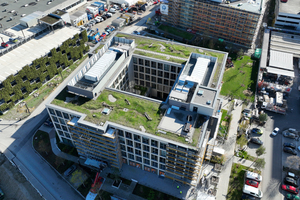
(162, 57)
(133, 118)
(176, 31)
(173, 49)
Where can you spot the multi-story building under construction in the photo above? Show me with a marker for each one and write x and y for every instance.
(103, 113)
(233, 21)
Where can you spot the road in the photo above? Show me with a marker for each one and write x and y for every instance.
(274, 157)
(16, 139)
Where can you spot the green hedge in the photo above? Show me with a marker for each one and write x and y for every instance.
(41, 70)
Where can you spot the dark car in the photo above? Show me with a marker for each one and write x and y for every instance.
(291, 145)
(249, 197)
(69, 171)
(256, 141)
(290, 181)
(289, 150)
(289, 135)
(108, 16)
(257, 131)
(104, 17)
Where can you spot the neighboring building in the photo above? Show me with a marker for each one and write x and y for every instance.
(288, 15)
(102, 115)
(237, 22)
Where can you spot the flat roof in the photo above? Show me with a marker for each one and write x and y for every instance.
(18, 6)
(291, 7)
(283, 72)
(204, 96)
(15, 60)
(50, 20)
(247, 5)
(281, 60)
(59, 12)
(285, 42)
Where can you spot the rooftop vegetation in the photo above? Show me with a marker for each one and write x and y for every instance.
(162, 57)
(174, 49)
(176, 31)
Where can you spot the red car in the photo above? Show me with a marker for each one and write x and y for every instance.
(3, 44)
(290, 189)
(252, 183)
(155, 2)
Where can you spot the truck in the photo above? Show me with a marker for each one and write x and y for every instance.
(273, 108)
(132, 16)
(101, 6)
(94, 35)
(127, 19)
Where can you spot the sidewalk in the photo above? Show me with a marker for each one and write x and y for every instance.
(229, 147)
(247, 163)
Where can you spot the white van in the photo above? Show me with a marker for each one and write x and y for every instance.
(116, 7)
(252, 191)
(112, 10)
(253, 176)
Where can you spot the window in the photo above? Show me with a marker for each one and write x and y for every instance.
(159, 65)
(166, 67)
(166, 75)
(54, 119)
(123, 147)
(145, 148)
(173, 69)
(147, 77)
(120, 133)
(66, 116)
(136, 75)
(154, 164)
(154, 150)
(137, 138)
(134, 60)
(142, 83)
(129, 149)
(51, 111)
(147, 84)
(163, 167)
(145, 140)
(64, 128)
(146, 161)
(153, 86)
(153, 72)
(160, 73)
(163, 153)
(159, 80)
(162, 160)
(135, 67)
(57, 126)
(141, 61)
(138, 152)
(122, 141)
(163, 146)
(141, 76)
(166, 82)
(147, 70)
(131, 156)
(146, 155)
(137, 158)
(62, 121)
(67, 135)
(153, 78)
(128, 135)
(138, 145)
(153, 64)
(129, 142)
(173, 76)
(154, 157)
(124, 154)
(141, 69)
(61, 133)
(153, 143)
(147, 63)
(58, 113)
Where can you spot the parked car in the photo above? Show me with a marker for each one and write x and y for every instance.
(69, 171)
(290, 189)
(290, 181)
(136, 32)
(249, 197)
(98, 19)
(289, 135)
(292, 175)
(275, 131)
(289, 150)
(93, 22)
(48, 123)
(14, 40)
(291, 145)
(3, 44)
(252, 183)
(108, 15)
(257, 131)
(292, 197)
(112, 10)
(256, 141)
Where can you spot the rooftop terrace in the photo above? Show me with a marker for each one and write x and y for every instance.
(175, 51)
(247, 5)
(291, 7)
(133, 117)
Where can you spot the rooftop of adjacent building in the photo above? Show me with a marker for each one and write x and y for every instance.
(246, 5)
(22, 55)
(20, 8)
(290, 7)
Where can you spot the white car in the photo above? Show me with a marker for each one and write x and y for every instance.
(275, 131)
(98, 19)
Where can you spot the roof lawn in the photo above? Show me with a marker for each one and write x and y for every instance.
(174, 49)
(162, 57)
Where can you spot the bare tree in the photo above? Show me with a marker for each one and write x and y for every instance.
(293, 162)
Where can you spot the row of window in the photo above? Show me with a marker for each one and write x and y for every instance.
(145, 161)
(156, 65)
(145, 155)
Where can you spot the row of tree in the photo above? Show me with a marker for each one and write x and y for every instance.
(31, 77)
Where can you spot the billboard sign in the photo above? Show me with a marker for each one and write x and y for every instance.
(164, 9)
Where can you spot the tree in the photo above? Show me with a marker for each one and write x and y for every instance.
(116, 174)
(259, 163)
(293, 162)
(151, 195)
(263, 117)
(242, 141)
(44, 147)
(211, 44)
(240, 53)
(260, 151)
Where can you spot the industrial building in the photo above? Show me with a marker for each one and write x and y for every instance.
(233, 21)
(287, 16)
(132, 105)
